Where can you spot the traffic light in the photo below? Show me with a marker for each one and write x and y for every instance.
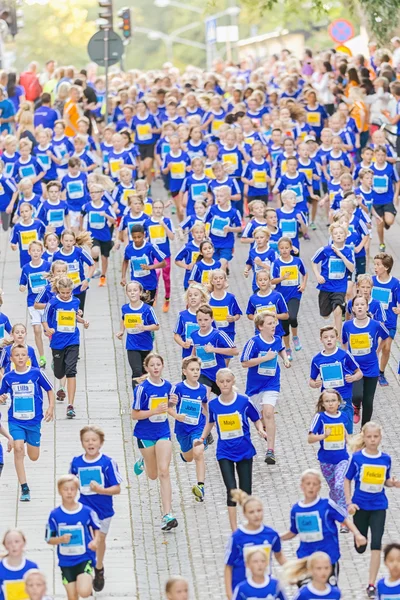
(125, 25)
(12, 14)
(106, 15)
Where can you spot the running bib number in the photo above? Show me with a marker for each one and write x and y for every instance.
(205, 276)
(55, 218)
(191, 409)
(271, 308)
(144, 132)
(372, 478)
(314, 118)
(74, 273)
(230, 159)
(23, 401)
(66, 321)
(380, 184)
(96, 220)
(14, 590)
(27, 237)
(382, 295)
(217, 226)
(336, 438)
(157, 234)
(177, 170)
(336, 268)
(309, 526)
(75, 189)
(260, 179)
(198, 191)
(131, 322)
(268, 368)
(115, 166)
(292, 278)
(37, 281)
(88, 474)
(153, 403)
(136, 264)
(220, 314)
(208, 359)
(76, 545)
(332, 375)
(288, 228)
(230, 426)
(360, 344)
(28, 171)
(190, 328)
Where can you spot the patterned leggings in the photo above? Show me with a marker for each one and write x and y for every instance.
(334, 475)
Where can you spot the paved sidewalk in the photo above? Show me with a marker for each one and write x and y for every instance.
(140, 558)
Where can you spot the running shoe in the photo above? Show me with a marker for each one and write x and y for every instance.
(297, 343)
(61, 394)
(168, 522)
(356, 416)
(289, 354)
(270, 457)
(371, 591)
(98, 581)
(382, 247)
(198, 492)
(96, 274)
(165, 307)
(313, 226)
(138, 467)
(70, 412)
(103, 281)
(42, 362)
(383, 382)
(173, 210)
(306, 236)
(210, 439)
(25, 496)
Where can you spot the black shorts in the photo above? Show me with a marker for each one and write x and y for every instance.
(65, 361)
(70, 574)
(146, 151)
(381, 209)
(263, 197)
(105, 247)
(209, 383)
(328, 301)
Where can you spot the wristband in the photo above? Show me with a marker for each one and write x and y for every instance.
(88, 279)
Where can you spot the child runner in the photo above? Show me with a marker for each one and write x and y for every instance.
(24, 232)
(318, 568)
(25, 415)
(329, 429)
(261, 256)
(225, 222)
(370, 468)
(189, 411)
(290, 278)
(204, 264)
(74, 529)
(257, 209)
(257, 174)
(254, 535)
(267, 300)
(258, 584)
(194, 186)
(291, 220)
(139, 321)
(177, 588)
(144, 258)
(51, 242)
(187, 255)
(33, 279)
(150, 410)
(175, 165)
(231, 412)
(36, 585)
(53, 212)
(134, 215)
(99, 481)
(225, 308)
(60, 323)
(14, 565)
(363, 335)
(260, 357)
(18, 336)
(385, 192)
(195, 296)
(389, 587)
(75, 192)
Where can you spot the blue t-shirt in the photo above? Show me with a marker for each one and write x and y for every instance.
(132, 317)
(78, 523)
(143, 129)
(23, 235)
(53, 214)
(201, 271)
(104, 471)
(9, 161)
(5, 325)
(120, 195)
(271, 302)
(46, 117)
(60, 315)
(363, 344)
(147, 396)
(226, 306)
(25, 389)
(117, 160)
(63, 148)
(11, 579)
(7, 110)
(76, 191)
(333, 268)
(185, 325)
(332, 450)
(97, 223)
(7, 364)
(370, 474)
(196, 188)
(267, 375)
(332, 369)
(388, 294)
(309, 592)
(128, 221)
(190, 403)
(388, 589)
(7, 190)
(233, 158)
(177, 172)
(315, 523)
(289, 288)
(211, 362)
(219, 218)
(35, 279)
(45, 162)
(259, 172)
(288, 224)
(188, 254)
(243, 540)
(297, 184)
(29, 168)
(248, 589)
(76, 261)
(315, 118)
(233, 427)
(145, 255)
(383, 184)
(157, 235)
(267, 257)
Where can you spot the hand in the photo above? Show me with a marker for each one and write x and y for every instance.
(295, 250)
(396, 310)
(198, 442)
(3, 399)
(86, 324)
(352, 508)
(161, 408)
(320, 279)
(65, 539)
(92, 545)
(123, 282)
(145, 267)
(287, 364)
(349, 378)
(189, 267)
(301, 288)
(9, 209)
(96, 487)
(10, 445)
(328, 432)
(84, 285)
(246, 273)
(394, 481)
(49, 414)
(317, 383)
(119, 335)
(173, 398)
(262, 433)
(187, 344)
(286, 275)
(360, 540)
(226, 229)
(269, 356)
(49, 153)
(258, 261)
(230, 318)
(117, 246)
(336, 250)
(49, 332)
(79, 312)
(209, 348)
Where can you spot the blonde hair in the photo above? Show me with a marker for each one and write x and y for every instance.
(201, 289)
(357, 442)
(172, 581)
(287, 194)
(365, 277)
(261, 318)
(35, 573)
(297, 570)
(337, 225)
(67, 479)
(312, 473)
(252, 552)
(92, 429)
(217, 273)
(243, 498)
(18, 531)
(266, 232)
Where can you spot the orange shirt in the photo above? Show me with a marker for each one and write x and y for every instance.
(72, 112)
(356, 112)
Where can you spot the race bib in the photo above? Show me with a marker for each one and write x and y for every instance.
(336, 439)
(157, 234)
(125, 195)
(260, 179)
(27, 237)
(88, 474)
(217, 226)
(66, 321)
(216, 125)
(198, 191)
(309, 526)
(220, 314)
(267, 308)
(37, 281)
(23, 395)
(178, 170)
(230, 426)
(74, 273)
(208, 359)
(332, 375)
(76, 545)
(153, 403)
(268, 368)
(144, 132)
(96, 220)
(28, 171)
(115, 166)
(288, 228)
(293, 279)
(336, 268)
(190, 328)
(205, 276)
(75, 189)
(314, 118)
(360, 344)
(380, 184)
(131, 322)
(382, 295)
(191, 409)
(230, 159)
(372, 478)
(44, 161)
(298, 190)
(136, 262)
(55, 218)
(15, 590)
(194, 257)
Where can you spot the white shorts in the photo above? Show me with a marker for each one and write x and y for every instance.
(36, 315)
(74, 218)
(259, 400)
(105, 525)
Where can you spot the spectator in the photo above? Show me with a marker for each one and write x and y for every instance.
(15, 92)
(396, 53)
(30, 82)
(24, 120)
(62, 95)
(44, 115)
(7, 113)
(72, 112)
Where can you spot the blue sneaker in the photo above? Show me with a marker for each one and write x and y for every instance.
(198, 492)
(297, 343)
(25, 496)
(289, 354)
(383, 382)
(138, 467)
(168, 522)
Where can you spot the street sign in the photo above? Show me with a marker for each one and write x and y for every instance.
(341, 31)
(97, 49)
(211, 31)
(228, 33)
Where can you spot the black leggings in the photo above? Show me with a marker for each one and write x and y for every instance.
(5, 220)
(293, 309)
(136, 360)
(373, 520)
(244, 469)
(363, 394)
(82, 299)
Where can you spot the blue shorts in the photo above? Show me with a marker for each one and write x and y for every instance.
(186, 441)
(150, 443)
(31, 435)
(226, 253)
(392, 332)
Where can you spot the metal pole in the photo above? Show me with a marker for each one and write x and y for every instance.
(106, 54)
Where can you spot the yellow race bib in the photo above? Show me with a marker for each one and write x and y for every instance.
(15, 590)
(132, 320)
(148, 209)
(27, 237)
(293, 272)
(220, 313)
(66, 321)
(360, 344)
(153, 403)
(75, 277)
(195, 256)
(208, 172)
(270, 308)
(178, 169)
(205, 276)
(115, 165)
(157, 234)
(216, 125)
(372, 478)
(314, 118)
(230, 426)
(336, 439)
(231, 159)
(144, 131)
(260, 177)
(125, 195)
